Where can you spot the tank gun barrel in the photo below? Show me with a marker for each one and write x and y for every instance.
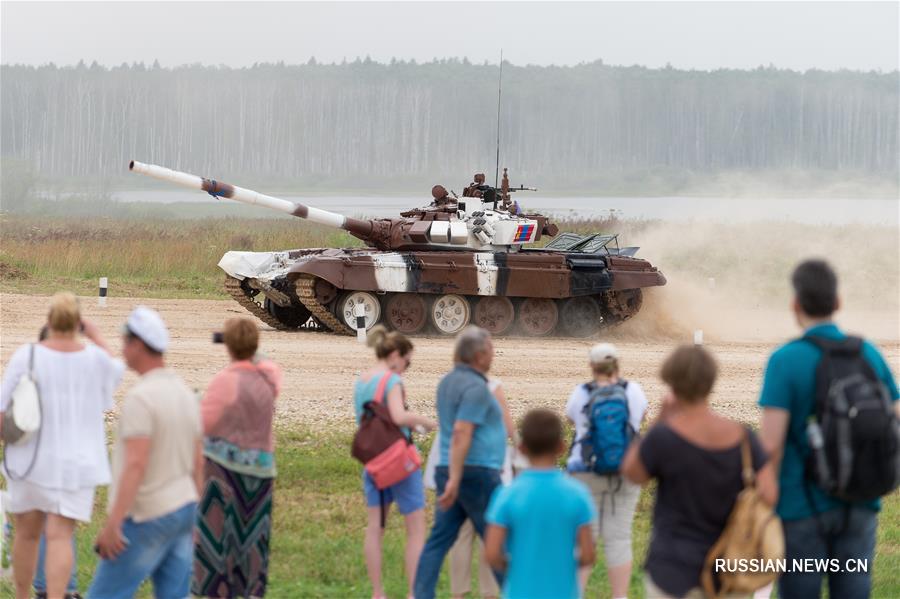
(356, 227)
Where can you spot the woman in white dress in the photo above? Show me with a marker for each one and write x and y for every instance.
(51, 477)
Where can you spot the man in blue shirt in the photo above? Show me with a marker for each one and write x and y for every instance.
(816, 525)
(541, 519)
(473, 446)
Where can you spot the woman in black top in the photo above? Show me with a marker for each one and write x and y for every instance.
(695, 456)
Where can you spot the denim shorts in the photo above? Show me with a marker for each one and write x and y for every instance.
(161, 550)
(408, 494)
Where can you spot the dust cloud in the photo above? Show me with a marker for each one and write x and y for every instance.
(733, 280)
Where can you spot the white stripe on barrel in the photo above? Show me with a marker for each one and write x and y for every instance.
(102, 291)
(247, 196)
(359, 312)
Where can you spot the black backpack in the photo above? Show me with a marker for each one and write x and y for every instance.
(854, 434)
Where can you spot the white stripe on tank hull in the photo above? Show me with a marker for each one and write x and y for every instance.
(390, 272)
(486, 270)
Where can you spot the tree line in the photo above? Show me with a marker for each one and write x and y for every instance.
(365, 120)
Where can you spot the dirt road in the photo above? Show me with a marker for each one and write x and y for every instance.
(319, 368)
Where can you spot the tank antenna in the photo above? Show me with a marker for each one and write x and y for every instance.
(499, 92)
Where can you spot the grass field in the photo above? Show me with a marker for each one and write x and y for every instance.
(153, 257)
(319, 521)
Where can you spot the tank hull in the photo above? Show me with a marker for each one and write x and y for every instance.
(535, 291)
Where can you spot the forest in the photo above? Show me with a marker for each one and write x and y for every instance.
(362, 123)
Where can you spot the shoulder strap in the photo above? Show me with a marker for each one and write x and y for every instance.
(31, 361)
(382, 386)
(849, 345)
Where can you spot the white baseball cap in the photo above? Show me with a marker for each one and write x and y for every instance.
(147, 325)
(602, 352)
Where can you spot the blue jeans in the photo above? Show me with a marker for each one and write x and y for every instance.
(161, 549)
(849, 534)
(40, 580)
(475, 490)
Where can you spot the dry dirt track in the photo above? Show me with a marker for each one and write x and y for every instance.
(319, 368)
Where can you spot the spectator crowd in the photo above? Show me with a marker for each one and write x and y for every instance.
(191, 480)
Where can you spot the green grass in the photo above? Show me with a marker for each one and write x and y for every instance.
(319, 522)
(155, 257)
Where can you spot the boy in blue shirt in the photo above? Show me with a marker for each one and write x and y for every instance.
(539, 527)
(816, 525)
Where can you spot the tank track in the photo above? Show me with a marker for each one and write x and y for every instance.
(305, 287)
(236, 291)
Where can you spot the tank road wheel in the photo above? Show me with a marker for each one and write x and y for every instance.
(450, 313)
(407, 313)
(292, 317)
(347, 302)
(537, 316)
(581, 316)
(494, 313)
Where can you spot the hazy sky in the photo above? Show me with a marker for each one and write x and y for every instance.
(702, 35)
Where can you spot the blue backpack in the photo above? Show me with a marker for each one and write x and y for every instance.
(609, 428)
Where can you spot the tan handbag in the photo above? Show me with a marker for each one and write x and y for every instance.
(752, 537)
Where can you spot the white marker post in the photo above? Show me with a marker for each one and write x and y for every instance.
(359, 311)
(698, 337)
(101, 297)
(711, 283)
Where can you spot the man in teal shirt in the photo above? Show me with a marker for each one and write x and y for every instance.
(816, 525)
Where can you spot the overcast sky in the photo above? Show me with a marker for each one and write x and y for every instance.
(701, 35)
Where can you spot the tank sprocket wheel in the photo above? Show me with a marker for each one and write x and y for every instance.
(581, 316)
(494, 313)
(306, 292)
(537, 317)
(450, 313)
(406, 313)
(243, 296)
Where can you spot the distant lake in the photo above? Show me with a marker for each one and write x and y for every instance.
(833, 211)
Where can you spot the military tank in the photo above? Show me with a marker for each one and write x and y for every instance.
(435, 269)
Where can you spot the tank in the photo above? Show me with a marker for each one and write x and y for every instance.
(435, 269)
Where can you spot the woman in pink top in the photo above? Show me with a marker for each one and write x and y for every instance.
(235, 513)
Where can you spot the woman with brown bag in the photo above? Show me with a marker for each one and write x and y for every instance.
(384, 383)
(695, 456)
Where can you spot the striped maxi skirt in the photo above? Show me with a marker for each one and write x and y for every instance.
(234, 526)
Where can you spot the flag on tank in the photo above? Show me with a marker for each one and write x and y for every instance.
(523, 233)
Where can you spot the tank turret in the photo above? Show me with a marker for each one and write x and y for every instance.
(436, 268)
(493, 225)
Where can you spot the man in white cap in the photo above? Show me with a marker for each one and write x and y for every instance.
(607, 412)
(157, 470)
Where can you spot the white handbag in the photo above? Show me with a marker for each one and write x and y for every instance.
(22, 419)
